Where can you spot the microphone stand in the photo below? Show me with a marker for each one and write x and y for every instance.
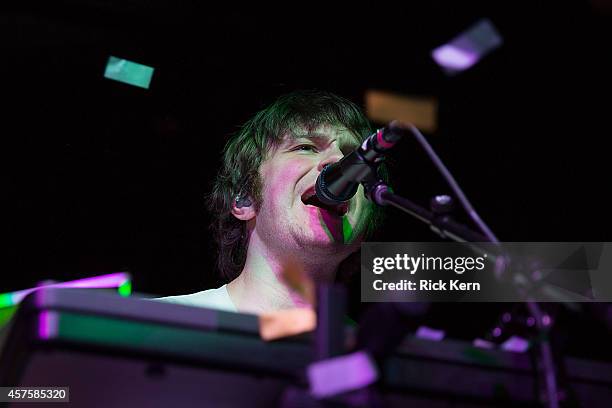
(442, 224)
(363, 168)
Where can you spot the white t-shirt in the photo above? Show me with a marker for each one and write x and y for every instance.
(213, 299)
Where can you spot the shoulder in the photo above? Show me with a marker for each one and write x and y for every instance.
(212, 298)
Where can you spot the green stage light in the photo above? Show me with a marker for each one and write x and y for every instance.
(125, 289)
(128, 72)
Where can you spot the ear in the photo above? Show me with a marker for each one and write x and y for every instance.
(244, 210)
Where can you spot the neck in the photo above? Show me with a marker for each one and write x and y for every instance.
(273, 280)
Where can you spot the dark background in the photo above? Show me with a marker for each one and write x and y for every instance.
(101, 176)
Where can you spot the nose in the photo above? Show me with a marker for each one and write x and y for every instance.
(333, 156)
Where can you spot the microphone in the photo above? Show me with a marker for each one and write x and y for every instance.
(338, 182)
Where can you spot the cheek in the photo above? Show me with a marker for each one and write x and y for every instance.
(274, 190)
(280, 180)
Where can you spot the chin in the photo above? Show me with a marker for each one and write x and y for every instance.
(323, 243)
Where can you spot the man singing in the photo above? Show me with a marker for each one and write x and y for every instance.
(274, 237)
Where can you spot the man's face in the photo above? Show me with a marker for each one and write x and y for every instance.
(288, 215)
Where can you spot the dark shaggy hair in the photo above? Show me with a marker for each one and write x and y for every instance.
(248, 148)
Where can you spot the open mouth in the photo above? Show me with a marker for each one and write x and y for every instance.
(310, 198)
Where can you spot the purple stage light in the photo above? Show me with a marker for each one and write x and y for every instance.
(117, 280)
(453, 58)
(341, 374)
(113, 280)
(465, 50)
(47, 324)
(424, 332)
(515, 344)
